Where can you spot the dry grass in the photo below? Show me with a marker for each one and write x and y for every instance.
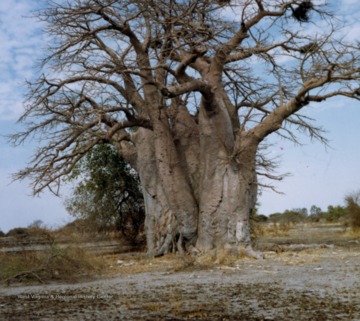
(353, 233)
(122, 264)
(67, 264)
(73, 263)
(139, 263)
(276, 229)
(227, 256)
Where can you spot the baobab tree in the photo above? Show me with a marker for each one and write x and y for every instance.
(187, 91)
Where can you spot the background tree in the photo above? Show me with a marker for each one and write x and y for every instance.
(107, 193)
(314, 210)
(188, 94)
(334, 213)
(295, 215)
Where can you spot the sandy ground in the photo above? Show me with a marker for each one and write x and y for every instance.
(308, 283)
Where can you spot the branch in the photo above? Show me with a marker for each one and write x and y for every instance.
(190, 86)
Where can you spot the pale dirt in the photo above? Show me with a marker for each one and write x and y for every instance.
(310, 283)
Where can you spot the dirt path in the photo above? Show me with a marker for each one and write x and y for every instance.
(314, 284)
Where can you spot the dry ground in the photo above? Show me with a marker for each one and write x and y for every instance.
(318, 278)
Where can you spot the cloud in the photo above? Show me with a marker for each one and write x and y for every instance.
(349, 4)
(20, 47)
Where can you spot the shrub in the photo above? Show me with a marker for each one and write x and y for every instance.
(335, 213)
(18, 232)
(353, 210)
(260, 218)
(289, 216)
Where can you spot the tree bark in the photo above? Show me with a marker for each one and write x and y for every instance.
(171, 208)
(228, 187)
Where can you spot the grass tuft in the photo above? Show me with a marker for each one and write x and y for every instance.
(62, 264)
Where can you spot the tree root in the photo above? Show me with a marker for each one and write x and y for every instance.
(250, 252)
(171, 243)
(165, 247)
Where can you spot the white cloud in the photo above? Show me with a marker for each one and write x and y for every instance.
(349, 4)
(20, 43)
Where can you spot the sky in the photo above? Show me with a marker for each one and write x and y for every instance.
(319, 176)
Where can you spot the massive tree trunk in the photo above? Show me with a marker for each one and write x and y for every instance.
(171, 208)
(228, 181)
(199, 190)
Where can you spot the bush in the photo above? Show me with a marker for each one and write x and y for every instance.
(260, 218)
(353, 210)
(33, 234)
(289, 216)
(18, 232)
(335, 213)
(275, 217)
(2, 234)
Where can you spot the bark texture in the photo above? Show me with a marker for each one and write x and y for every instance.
(198, 192)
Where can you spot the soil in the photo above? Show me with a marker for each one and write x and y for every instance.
(315, 278)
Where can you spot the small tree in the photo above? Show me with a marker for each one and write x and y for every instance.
(314, 210)
(36, 224)
(107, 193)
(335, 213)
(353, 209)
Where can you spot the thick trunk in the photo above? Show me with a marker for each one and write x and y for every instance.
(174, 178)
(156, 206)
(228, 185)
(186, 138)
(225, 207)
(197, 190)
(171, 209)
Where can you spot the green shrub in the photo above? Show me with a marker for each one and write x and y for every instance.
(335, 213)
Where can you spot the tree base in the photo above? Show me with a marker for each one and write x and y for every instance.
(250, 252)
(225, 255)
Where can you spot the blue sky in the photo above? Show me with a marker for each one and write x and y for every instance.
(319, 176)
